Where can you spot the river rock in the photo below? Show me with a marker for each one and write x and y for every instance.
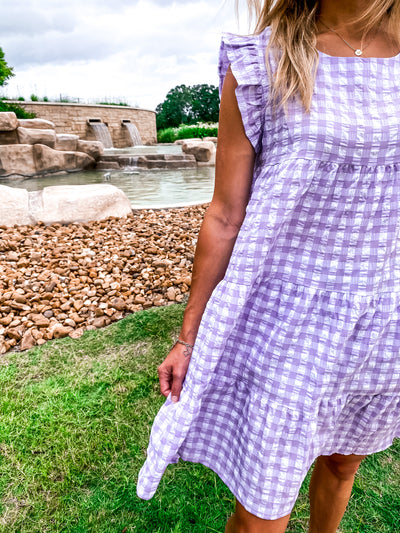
(121, 255)
(58, 331)
(66, 142)
(101, 322)
(118, 304)
(28, 341)
(203, 151)
(17, 159)
(8, 121)
(36, 123)
(37, 136)
(76, 334)
(93, 148)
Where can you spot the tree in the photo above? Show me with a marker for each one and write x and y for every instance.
(174, 110)
(188, 105)
(205, 103)
(6, 72)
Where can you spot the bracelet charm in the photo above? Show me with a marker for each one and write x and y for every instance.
(189, 347)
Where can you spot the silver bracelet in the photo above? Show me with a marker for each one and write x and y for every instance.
(189, 347)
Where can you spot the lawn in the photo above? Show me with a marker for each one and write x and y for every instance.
(74, 426)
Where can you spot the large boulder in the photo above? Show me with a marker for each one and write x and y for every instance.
(14, 206)
(66, 204)
(93, 148)
(37, 136)
(84, 161)
(36, 123)
(9, 137)
(62, 204)
(66, 142)
(8, 121)
(17, 159)
(30, 160)
(49, 160)
(203, 151)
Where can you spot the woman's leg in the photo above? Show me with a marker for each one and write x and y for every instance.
(330, 489)
(244, 522)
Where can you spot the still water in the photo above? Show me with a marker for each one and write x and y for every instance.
(144, 188)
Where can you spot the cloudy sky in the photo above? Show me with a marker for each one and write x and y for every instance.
(133, 50)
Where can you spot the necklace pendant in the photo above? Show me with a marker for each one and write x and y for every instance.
(358, 52)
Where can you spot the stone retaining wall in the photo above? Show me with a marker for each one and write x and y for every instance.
(72, 118)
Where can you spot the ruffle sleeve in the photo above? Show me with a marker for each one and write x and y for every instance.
(245, 55)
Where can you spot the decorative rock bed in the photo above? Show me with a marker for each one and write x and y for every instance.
(61, 280)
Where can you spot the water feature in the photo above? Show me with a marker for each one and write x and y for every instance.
(101, 132)
(145, 150)
(144, 188)
(133, 132)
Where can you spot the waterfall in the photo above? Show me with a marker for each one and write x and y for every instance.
(102, 133)
(134, 133)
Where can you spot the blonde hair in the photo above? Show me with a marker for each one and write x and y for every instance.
(294, 35)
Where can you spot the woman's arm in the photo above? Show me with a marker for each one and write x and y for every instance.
(221, 224)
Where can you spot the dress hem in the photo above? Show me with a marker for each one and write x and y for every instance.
(288, 510)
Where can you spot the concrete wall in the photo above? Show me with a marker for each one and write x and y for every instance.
(72, 118)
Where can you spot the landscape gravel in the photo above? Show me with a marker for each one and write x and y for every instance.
(60, 280)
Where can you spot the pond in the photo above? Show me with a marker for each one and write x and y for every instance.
(144, 188)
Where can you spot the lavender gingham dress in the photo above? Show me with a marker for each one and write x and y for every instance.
(298, 352)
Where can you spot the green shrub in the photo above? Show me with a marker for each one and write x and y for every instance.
(170, 135)
(196, 131)
(34, 98)
(113, 103)
(167, 136)
(21, 99)
(17, 109)
(45, 99)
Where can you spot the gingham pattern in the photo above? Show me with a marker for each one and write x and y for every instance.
(298, 351)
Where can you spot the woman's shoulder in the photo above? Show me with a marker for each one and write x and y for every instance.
(254, 40)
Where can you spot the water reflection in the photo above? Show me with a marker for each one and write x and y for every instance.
(144, 188)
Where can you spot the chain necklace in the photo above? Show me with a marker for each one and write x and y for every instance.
(357, 51)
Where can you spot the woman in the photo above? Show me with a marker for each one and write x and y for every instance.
(295, 302)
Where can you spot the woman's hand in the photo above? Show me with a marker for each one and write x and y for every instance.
(172, 371)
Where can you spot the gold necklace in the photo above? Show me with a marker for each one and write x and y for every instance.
(357, 51)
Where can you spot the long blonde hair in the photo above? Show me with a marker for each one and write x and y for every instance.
(294, 35)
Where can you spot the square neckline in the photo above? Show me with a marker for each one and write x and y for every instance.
(358, 58)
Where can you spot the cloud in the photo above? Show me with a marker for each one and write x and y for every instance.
(140, 49)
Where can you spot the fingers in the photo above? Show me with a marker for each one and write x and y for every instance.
(164, 376)
(170, 381)
(177, 386)
(172, 372)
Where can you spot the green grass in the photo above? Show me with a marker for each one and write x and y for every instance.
(74, 426)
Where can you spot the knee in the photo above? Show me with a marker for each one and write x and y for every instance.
(343, 467)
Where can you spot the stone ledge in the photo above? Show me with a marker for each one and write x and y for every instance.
(62, 204)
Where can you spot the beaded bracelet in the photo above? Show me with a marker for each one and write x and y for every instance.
(189, 347)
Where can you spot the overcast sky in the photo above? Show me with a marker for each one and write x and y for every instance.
(134, 50)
